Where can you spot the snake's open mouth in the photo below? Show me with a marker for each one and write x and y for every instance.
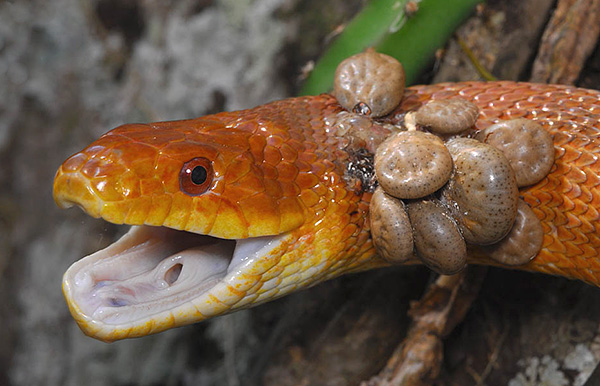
(155, 275)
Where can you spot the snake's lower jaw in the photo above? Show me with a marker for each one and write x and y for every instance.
(155, 278)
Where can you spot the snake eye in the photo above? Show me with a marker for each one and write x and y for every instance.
(196, 176)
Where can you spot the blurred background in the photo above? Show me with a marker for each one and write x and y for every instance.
(70, 70)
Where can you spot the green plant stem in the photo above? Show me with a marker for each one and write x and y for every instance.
(414, 44)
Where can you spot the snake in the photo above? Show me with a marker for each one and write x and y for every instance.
(235, 209)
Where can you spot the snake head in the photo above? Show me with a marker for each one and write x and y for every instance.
(228, 211)
(198, 175)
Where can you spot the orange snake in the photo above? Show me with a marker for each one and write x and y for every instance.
(277, 170)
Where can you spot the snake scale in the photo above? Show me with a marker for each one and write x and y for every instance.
(276, 184)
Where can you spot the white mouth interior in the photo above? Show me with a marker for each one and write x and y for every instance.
(153, 269)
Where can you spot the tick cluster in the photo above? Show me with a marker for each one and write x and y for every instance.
(441, 184)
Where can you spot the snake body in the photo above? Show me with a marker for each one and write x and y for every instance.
(278, 173)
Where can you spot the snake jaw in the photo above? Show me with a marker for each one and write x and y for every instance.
(154, 279)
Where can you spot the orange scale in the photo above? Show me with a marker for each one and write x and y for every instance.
(551, 106)
(288, 153)
(349, 231)
(566, 164)
(468, 92)
(548, 214)
(573, 222)
(410, 104)
(218, 186)
(150, 187)
(155, 137)
(306, 180)
(592, 213)
(257, 144)
(160, 207)
(516, 113)
(314, 122)
(310, 146)
(560, 96)
(561, 139)
(261, 213)
(302, 166)
(556, 248)
(319, 138)
(525, 105)
(275, 141)
(138, 212)
(344, 207)
(433, 88)
(308, 157)
(108, 189)
(97, 168)
(585, 198)
(501, 105)
(248, 125)
(292, 213)
(340, 194)
(269, 172)
(594, 242)
(512, 97)
(185, 151)
(101, 145)
(272, 155)
(289, 188)
(500, 86)
(273, 188)
(132, 128)
(542, 197)
(574, 251)
(168, 173)
(579, 142)
(490, 114)
(295, 144)
(298, 136)
(229, 222)
(322, 155)
(251, 183)
(320, 189)
(589, 275)
(569, 104)
(322, 205)
(129, 186)
(576, 176)
(334, 178)
(181, 208)
(560, 218)
(593, 178)
(144, 168)
(309, 198)
(444, 94)
(204, 213)
(318, 168)
(287, 171)
(483, 123)
(238, 169)
(115, 211)
(581, 239)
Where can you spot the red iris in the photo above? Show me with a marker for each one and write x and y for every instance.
(196, 176)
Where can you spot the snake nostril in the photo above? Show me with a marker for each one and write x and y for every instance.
(173, 273)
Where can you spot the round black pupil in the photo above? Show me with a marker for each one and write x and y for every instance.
(199, 175)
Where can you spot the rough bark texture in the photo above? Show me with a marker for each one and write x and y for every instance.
(72, 69)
